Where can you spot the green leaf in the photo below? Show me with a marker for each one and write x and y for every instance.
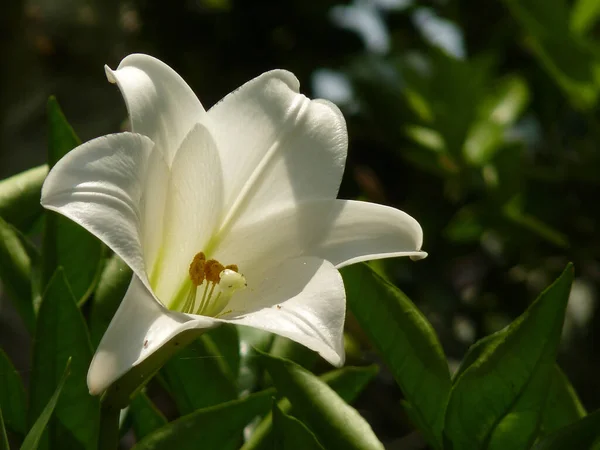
(20, 197)
(13, 402)
(563, 406)
(347, 382)
(15, 272)
(498, 110)
(146, 418)
(251, 340)
(198, 377)
(66, 244)
(291, 434)
(113, 283)
(61, 335)
(335, 423)
(217, 427)
(226, 341)
(582, 434)
(568, 59)
(3, 436)
(286, 348)
(500, 392)
(33, 438)
(583, 15)
(407, 343)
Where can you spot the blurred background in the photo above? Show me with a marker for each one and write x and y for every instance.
(479, 119)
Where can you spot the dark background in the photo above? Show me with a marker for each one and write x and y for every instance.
(477, 118)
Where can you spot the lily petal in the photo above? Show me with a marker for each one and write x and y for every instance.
(194, 207)
(342, 232)
(277, 147)
(161, 105)
(302, 299)
(140, 326)
(100, 186)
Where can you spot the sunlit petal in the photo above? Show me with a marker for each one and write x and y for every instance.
(277, 147)
(140, 326)
(302, 299)
(341, 231)
(100, 186)
(194, 207)
(160, 103)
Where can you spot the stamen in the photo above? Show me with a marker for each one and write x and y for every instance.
(220, 283)
(196, 271)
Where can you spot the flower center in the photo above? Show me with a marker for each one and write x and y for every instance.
(210, 287)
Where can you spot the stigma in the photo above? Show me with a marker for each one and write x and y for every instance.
(212, 286)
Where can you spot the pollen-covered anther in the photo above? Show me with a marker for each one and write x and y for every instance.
(233, 267)
(212, 269)
(196, 271)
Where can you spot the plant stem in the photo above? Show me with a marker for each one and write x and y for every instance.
(108, 438)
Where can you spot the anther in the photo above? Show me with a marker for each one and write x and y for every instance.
(212, 269)
(197, 270)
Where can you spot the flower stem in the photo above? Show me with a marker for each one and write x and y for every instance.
(108, 439)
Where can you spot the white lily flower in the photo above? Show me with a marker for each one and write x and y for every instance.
(225, 216)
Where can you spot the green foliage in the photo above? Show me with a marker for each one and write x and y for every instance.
(334, 422)
(3, 436)
(12, 396)
(15, 272)
(348, 383)
(497, 401)
(66, 244)
(292, 434)
(61, 336)
(189, 372)
(20, 197)
(35, 434)
(215, 427)
(145, 416)
(406, 341)
(582, 434)
(113, 283)
(567, 57)
(563, 406)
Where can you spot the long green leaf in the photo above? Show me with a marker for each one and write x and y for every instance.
(347, 382)
(3, 436)
(407, 343)
(15, 272)
(335, 423)
(61, 335)
(291, 434)
(251, 340)
(198, 378)
(111, 289)
(498, 400)
(584, 15)
(567, 58)
(20, 197)
(225, 339)
(66, 244)
(217, 427)
(13, 402)
(33, 438)
(582, 434)
(146, 418)
(563, 406)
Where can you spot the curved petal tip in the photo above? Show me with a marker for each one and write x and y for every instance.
(103, 371)
(110, 75)
(419, 256)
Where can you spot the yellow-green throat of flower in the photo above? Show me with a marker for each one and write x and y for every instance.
(208, 288)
